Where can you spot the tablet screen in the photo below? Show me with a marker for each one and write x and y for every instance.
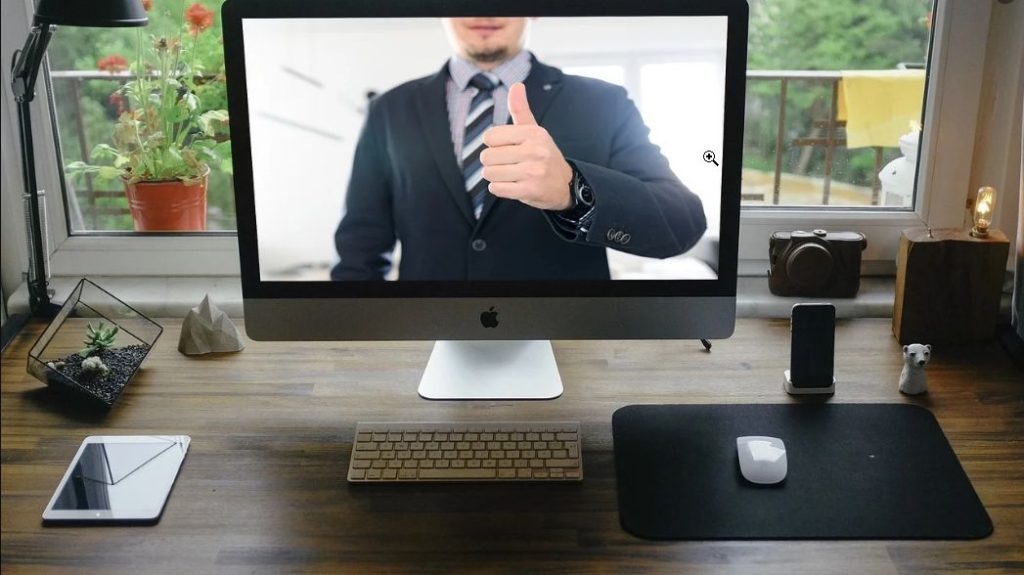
(119, 478)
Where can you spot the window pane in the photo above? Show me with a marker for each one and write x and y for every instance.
(609, 73)
(666, 89)
(847, 80)
(89, 69)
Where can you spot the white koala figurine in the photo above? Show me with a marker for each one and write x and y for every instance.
(912, 379)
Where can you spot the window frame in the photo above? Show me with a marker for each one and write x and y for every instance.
(947, 149)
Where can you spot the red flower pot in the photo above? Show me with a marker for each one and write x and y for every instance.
(171, 205)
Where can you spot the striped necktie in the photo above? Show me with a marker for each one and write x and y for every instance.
(479, 118)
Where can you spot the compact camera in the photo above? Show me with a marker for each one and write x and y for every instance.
(815, 264)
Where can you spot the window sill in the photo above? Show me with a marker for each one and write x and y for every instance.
(173, 297)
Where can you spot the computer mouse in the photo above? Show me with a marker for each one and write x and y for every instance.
(762, 459)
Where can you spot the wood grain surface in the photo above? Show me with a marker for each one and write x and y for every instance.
(263, 489)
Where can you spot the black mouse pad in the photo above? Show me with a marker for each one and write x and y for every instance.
(854, 472)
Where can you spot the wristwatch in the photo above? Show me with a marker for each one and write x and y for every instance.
(579, 214)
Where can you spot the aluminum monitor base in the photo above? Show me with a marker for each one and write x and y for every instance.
(491, 370)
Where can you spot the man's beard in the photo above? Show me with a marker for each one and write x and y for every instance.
(489, 56)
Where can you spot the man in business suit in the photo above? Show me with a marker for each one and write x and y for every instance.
(472, 198)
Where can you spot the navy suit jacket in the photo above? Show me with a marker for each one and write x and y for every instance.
(406, 186)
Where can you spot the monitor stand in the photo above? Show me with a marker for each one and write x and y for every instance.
(491, 370)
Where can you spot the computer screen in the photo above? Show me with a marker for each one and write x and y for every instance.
(460, 170)
(363, 111)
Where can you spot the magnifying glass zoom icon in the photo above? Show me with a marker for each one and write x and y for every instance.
(709, 157)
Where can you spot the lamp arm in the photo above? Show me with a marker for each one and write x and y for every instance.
(25, 67)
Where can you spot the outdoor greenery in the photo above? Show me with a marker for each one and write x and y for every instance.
(784, 35)
(828, 35)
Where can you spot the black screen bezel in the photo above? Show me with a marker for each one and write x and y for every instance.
(736, 11)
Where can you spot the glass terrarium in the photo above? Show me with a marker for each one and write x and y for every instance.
(94, 346)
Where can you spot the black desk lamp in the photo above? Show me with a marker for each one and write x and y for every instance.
(24, 71)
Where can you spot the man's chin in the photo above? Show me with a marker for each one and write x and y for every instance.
(489, 56)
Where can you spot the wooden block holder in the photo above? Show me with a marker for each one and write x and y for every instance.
(948, 285)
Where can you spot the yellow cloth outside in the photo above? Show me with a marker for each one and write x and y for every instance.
(879, 106)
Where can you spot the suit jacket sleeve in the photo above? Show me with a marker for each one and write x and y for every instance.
(641, 207)
(365, 237)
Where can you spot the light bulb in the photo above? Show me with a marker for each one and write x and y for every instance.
(984, 205)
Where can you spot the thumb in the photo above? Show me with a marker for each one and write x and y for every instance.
(518, 107)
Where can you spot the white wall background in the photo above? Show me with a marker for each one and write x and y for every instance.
(307, 81)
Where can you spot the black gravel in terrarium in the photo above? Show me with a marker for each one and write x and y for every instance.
(121, 364)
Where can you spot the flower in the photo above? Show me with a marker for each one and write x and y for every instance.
(199, 18)
(147, 5)
(112, 63)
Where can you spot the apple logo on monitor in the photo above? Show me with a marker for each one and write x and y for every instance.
(489, 318)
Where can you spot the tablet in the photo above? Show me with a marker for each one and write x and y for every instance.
(118, 479)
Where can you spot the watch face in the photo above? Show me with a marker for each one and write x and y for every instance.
(586, 196)
(581, 191)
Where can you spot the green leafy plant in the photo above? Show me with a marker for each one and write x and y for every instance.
(163, 133)
(98, 339)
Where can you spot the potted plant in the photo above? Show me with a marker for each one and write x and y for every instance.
(164, 141)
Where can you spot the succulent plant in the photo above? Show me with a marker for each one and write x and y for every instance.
(98, 339)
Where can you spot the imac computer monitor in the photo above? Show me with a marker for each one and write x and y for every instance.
(490, 176)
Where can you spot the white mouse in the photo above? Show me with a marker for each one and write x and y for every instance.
(762, 459)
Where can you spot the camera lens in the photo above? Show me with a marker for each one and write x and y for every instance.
(809, 267)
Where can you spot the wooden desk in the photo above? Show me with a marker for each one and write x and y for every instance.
(263, 489)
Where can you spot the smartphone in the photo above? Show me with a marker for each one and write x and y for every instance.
(812, 351)
(118, 479)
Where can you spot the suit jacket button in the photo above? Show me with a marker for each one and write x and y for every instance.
(478, 245)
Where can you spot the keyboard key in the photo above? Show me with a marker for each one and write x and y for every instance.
(562, 463)
(478, 473)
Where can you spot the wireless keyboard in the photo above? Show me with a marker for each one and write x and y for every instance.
(474, 452)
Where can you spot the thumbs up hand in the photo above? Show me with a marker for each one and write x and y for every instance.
(522, 162)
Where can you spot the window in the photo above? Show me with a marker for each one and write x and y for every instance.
(87, 237)
(90, 69)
